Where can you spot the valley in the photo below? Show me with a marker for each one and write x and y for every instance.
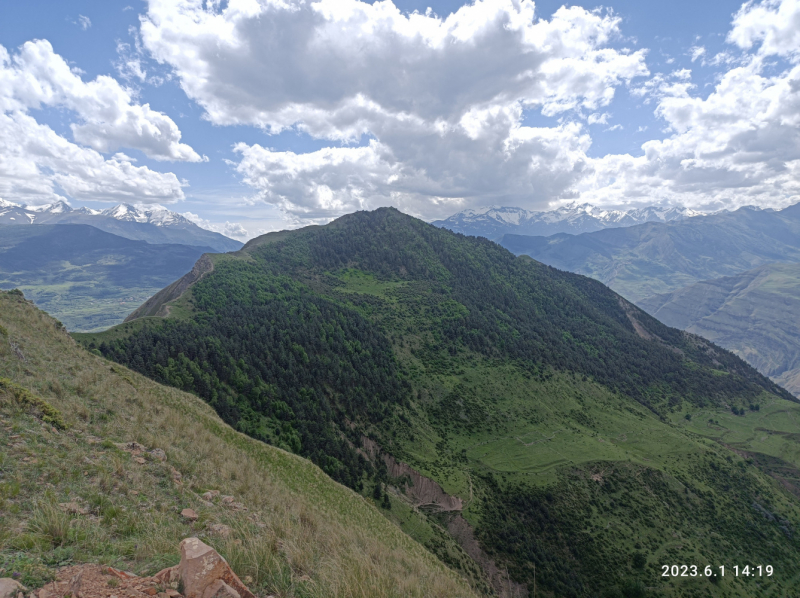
(87, 278)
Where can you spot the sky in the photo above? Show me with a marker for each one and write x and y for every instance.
(255, 115)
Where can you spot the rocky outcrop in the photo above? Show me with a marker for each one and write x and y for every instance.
(423, 491)
(201, 566)
(202, 573)
(426, 494)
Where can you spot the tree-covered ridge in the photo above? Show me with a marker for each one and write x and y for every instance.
(519, 309)
(278, 361)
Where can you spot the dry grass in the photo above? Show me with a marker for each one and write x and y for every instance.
(302, 534)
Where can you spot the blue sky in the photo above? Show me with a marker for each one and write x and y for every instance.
(307, 114)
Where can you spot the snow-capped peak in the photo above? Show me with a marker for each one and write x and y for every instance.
(8, 204)
(155, 214)
(59, 207)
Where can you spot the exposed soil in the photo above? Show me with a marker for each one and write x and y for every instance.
(96, 581)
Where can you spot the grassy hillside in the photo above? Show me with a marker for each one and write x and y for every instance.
(64, 414)
(555, 410)
(87, 278)
(755, 314)
(649, 259)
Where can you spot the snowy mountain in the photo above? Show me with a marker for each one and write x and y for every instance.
(153, 224)
(494, 221)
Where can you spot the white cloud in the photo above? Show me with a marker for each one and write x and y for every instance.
(440, 98)
(84, 22)
(37, 166)
(598, 119)
(775, 24)
(738, 146)
(109, 119)
(697, 52)
(229, 229)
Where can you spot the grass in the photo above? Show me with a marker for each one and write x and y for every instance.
(301, 535)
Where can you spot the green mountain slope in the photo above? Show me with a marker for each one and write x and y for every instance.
(71, 491)
(649, 259)
(87, 278)
(550, 411)
(755, 314)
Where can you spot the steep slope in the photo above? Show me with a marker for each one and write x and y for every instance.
(755, 314)
(558, 421)
(649, 259)
(495, 221)
(157, 225)
(73, 489)
(87, 278)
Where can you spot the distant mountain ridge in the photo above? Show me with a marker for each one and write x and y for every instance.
(656, 258)
(494, 221)
(755, 314)
(156, 225)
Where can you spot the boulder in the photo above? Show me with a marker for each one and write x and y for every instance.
(190, 515)
(219, 589)
(211, 495)
(168, 576)
(9, 588)
(201, 566)
(158, 454)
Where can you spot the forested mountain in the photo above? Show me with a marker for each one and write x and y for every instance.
(495, 221)
(157, 225)
(755, 314)
(548, 424)
(655, 258)
(87, 278)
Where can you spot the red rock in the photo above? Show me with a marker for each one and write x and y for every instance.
(201, 566)
(219, 589)
(9, 588)
(190, 515)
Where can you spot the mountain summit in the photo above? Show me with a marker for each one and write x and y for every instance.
(574, 218)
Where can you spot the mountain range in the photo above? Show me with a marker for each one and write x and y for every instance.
(494, 222)
(557, 433)
(755, 314)
(654, 258)
(155, 225)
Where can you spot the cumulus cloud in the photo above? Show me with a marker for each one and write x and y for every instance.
(39, 166)
(440, 100)
(109, 119)
(740, 145)
(775, 24)
(425, 113)
(229, 229)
